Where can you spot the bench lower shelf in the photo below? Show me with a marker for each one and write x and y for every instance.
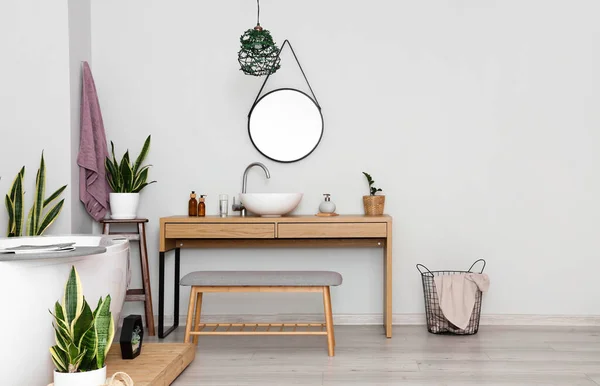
(260, 329)
(157, 364)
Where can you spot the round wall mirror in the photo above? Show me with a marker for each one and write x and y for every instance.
(285, 125)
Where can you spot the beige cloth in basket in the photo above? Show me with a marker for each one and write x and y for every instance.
(457, 294)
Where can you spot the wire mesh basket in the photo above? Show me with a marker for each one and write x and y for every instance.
(436, 321)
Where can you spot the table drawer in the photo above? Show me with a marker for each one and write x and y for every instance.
(220, 231)
(331, 230)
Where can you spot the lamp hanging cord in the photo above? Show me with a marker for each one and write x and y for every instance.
(258, 12)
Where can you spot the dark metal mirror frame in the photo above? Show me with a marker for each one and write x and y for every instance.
(320, 136)
(313, 99)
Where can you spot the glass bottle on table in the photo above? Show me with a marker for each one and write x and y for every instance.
(193, 205)
(202, 206)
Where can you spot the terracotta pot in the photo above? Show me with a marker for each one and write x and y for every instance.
(374, 205)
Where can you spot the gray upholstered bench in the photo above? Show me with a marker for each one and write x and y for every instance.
(259, 281)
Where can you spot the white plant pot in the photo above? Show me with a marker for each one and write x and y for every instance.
(123, 206)
(88, 378)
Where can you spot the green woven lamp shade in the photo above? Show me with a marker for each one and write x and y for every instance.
(259, 53)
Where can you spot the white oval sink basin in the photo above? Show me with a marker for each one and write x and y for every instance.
(270, 204)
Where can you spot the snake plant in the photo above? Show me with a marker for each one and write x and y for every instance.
(124, 177)
(37, 221)
(83, 338)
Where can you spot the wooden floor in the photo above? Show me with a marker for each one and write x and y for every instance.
(495, 356)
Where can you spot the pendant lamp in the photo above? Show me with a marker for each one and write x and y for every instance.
(259, 55)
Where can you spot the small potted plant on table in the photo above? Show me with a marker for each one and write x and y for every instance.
(374, 204)
(83, 337)
(126, 181)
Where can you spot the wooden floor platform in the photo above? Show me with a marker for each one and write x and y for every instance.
(157, 365)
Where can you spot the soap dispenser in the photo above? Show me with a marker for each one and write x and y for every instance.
(202, 206)
(327, 206)
(193, 205)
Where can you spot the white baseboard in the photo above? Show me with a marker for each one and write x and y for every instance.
(398, 319)
(541, 320)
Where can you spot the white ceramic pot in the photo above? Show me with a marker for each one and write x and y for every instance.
(88, 378)
(123, 206)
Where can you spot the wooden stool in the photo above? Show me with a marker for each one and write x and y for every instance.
(259, 281)
(139, 294)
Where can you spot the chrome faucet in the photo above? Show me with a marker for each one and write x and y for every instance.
(240, 207)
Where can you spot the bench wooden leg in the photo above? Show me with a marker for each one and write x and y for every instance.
(197, 317)
(329, 322)
(331, 312)
(190, 315)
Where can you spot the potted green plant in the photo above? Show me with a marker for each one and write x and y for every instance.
(126, 181)
(41, 215)
(374, 204)
(83, 337)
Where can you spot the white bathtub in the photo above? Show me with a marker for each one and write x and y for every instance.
(29, 288)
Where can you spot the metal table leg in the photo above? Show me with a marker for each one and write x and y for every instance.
(161, 295)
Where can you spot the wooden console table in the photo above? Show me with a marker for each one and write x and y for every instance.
(178, 232)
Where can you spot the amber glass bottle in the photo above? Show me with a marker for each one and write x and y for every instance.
(202, 206)
(193, 205)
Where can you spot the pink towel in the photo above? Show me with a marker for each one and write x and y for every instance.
(93, 187)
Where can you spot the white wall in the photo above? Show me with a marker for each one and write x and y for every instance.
(34, 99)
(80, 49)
(477, 118)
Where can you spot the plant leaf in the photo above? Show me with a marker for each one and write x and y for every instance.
(54, 195)
(111, 177)
(142, 156)
(28, 226)
(38, 203)
(100, 301)
(61, 323)
(10, 208)
(59, 312)
(61, 337)
(105, 329)
(20, 174)
(138, 189)
(117, 176)
(141, 177)
(112, 185)
(73, 299)
(90, 344)
(50, 217)
(111, 335)
(18, 203)
(59, 358)
(77, 360)
(126, 172)
(72, 354)
(82, 324)
(112, 150)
